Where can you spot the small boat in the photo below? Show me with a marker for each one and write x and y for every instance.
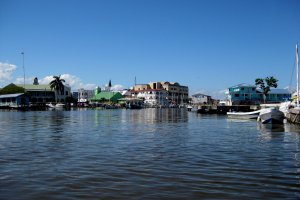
(271, 116)
(58, 105)
(243, 115)
(133, 106)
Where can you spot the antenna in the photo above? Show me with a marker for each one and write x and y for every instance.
(297, 67)
(23, 70)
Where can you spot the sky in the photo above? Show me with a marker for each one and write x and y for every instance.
(207, 45)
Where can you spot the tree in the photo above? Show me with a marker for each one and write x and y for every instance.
(11, 89)
(266, 84)
(57, 85)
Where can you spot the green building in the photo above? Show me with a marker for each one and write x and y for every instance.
(106, 96)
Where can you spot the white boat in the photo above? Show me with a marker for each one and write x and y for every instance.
(293, 109)
(271, 116)
(58, 105)
(243, 115)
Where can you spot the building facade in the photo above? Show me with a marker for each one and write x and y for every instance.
(176, 93)
(43, 93)
(14, 100)
(153, 97)
(201, 99)
(106, 96)
(250, 94)
(85, 96)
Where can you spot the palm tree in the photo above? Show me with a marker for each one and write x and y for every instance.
(57, 85)
(266, 84)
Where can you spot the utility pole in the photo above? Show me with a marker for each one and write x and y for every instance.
(23, 70)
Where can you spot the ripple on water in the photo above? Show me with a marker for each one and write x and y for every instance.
(145, 154)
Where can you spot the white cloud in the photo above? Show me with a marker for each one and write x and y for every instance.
(6, 71)
(73, 81)
(20, 80)
(117, 87)
(215, 94)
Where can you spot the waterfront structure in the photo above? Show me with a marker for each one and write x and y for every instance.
(153, 97)
(43, 93)
(14, 100)
(200, 98)
(250, 94)
(84, 95)
(176, 93)
(106, 96)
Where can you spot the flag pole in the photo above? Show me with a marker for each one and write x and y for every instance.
(297, 67)
(23, 71)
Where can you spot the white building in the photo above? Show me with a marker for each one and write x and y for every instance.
(152, 97)
(85, 95)
(201, 99)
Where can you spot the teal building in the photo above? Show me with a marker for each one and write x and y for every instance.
(250, 94)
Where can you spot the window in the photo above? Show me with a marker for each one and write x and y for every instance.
(236, 95)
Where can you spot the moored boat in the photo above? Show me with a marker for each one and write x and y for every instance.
(243, 115)
(271, 116)
(58, 105)
(293, 109)
(133, 106)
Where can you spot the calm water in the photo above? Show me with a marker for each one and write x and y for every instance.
(145, 154)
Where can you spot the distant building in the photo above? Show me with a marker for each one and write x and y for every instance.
(201, 99)
(153, 97)
(14, 100)
(176, 93)
(250, 94)
(43, 93)
(106, 96)
(84, 95)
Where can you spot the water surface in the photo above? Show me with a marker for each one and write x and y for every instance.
(145, 154)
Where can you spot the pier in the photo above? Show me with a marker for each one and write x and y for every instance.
(220, 109)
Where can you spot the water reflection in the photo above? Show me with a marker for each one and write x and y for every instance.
(154, 115)
(145, 154)
(270, 128)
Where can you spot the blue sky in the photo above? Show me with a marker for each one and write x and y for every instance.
(208, 45)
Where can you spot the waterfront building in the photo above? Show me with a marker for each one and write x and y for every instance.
(14, 100)
(250, 94)
(43, 94)
(153, 97)
(106, 96)
(176, 93)
(139, 87)
(84, 95)
(200, 98)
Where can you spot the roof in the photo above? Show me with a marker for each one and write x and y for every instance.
(35, 87)
(276, 91)
(148, 90)
(11, 95)
(107, 96)
(198, 94)
(243, 85)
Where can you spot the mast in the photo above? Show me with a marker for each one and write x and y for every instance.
(23, 71)
(297, 67)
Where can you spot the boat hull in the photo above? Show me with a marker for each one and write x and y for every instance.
(271, 116)
(243, 115)
(251, 116)
(293, 116)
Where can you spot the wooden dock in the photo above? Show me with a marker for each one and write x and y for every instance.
(214, 109)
